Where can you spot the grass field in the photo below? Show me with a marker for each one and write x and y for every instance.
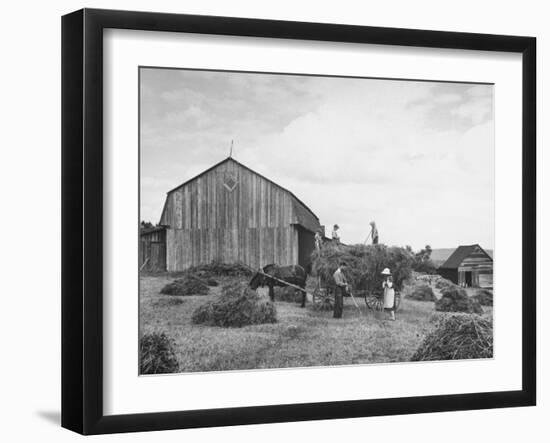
(301, 337)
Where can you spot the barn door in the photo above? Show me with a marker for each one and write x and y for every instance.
(306, 244)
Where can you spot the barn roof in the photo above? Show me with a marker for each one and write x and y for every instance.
(303, 212)
(460, 253)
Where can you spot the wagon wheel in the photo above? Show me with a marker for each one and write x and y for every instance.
(374, 302)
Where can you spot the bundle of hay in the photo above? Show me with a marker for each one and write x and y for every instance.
(443, 283)
(237, 306)
(187, 285)
(458, 337)
(364, 264)
(484, 297)
(455, 299)
(156, 354)
(219, 269)
(421, 292)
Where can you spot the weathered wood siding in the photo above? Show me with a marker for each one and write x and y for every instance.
(208, 222)
(477, 263)
(152, 251)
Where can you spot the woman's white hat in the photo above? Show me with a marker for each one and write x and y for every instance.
(386, 271)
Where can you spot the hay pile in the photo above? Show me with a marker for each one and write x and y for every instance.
(237, 306)
(156, 354)
(187, 285)
(484, 297)
(455, 299)
(421, 292)
(458, 337)
(364, 264)
(443, 283)
(218, 269)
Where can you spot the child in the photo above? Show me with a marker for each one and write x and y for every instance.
(389, 293)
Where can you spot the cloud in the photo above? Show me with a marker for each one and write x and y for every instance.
(416, 156)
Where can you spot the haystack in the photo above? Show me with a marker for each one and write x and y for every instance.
(219, 269)
(421, 292)
(364, 264)
(156, 354)
(484, 297)
(187, 285)
(443, 283)
(455, 299)
(458, 337)
(237, 306)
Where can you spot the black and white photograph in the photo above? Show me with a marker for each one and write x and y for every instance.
(294, 221)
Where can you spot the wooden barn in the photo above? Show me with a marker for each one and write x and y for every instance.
(230, 213)
(469, 266)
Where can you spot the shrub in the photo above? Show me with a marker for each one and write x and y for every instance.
(237, 306)
(156, 354)
(421, 292)
(458, 337)
(365, 264)
(455, 299)
(484, 297)
(186, 285)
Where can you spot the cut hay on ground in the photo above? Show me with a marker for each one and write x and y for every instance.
(237, 306)
(157, 355)
(484, 297)
(458, 337)
(455, 299)
(421, 292)
(187, 285)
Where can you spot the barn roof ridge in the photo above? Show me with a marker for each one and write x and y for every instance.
(460, 254)
(251, 170)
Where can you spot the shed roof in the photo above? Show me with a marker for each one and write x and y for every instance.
(460, 253)
(305, 216)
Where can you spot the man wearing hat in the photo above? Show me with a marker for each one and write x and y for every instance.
(341, 289)
(389, 293)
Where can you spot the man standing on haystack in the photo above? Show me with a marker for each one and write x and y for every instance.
(341, 289)
(373, 233)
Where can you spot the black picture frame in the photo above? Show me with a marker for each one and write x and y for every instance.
(82, 219)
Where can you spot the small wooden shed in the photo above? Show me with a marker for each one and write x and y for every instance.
(152, 249)
(470, 266)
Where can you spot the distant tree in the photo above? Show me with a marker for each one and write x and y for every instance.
(146, 225)
(423, 262)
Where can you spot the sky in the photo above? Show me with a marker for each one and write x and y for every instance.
(416, 157)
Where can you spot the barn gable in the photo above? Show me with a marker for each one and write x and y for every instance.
(231, 213)
(464, 252)
(469, 265)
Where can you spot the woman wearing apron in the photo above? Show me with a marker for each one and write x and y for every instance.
(389, 293)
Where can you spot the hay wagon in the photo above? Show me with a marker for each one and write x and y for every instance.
(324, 295)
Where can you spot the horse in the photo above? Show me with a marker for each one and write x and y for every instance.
(293, 274)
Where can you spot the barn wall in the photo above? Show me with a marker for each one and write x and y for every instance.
(152, 251)
(250, 224)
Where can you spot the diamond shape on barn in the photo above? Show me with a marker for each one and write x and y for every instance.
(230, 181)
